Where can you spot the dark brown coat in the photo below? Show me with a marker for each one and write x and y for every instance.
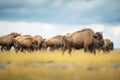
(38, 40)
(24, 43)
(55, 42)
(107, 46)
(6, 42)
(85, 38)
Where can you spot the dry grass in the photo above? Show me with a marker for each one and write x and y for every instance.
(45, 65)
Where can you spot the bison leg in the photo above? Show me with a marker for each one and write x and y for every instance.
(22, 49)
(2, 47)
(69, 50)
(104, 51)
(94, 52)
(8, 48)
(16, 50)
(99, 50)
(86, 49)
(107, 50)
(63, 50)
(51, 49)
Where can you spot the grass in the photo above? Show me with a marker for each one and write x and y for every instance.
(46, 65)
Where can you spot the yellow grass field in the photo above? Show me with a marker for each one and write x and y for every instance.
(46, 65)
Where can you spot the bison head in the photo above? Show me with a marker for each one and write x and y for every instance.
(34, 44)
(98, 40)
(111, 46)
(43, 44)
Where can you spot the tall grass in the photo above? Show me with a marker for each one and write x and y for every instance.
(78, 66)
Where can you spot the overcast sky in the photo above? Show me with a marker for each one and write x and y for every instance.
(51, 17)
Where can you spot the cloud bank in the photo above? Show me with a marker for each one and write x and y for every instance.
(61, 11)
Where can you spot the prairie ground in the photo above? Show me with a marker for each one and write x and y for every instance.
(46, 65)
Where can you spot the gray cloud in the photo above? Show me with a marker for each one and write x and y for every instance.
(61, 11)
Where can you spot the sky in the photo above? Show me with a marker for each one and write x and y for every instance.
(52, 17)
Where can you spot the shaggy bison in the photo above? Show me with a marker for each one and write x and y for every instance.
(38, 40)
(85, 38)
(53, 43)
(24, 42)
(107, 46)
(6, 42)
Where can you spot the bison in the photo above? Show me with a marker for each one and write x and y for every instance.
(85, 38)
(107, 46)
(38, 40)
(24, 43)
(53, 43)
(6, 42)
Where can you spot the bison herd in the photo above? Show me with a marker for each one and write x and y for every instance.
(85, 39)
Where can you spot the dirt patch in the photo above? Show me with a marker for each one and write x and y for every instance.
(105, 67)
(48, 64)
(3, 65)
(65, 65)
(51, 64)
(91, 67)
(112, 66)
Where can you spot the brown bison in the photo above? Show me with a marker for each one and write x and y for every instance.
(85, 38)
(107, 46)
(24, 43)
(53, 43)
(38, 40)
(6, 42)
